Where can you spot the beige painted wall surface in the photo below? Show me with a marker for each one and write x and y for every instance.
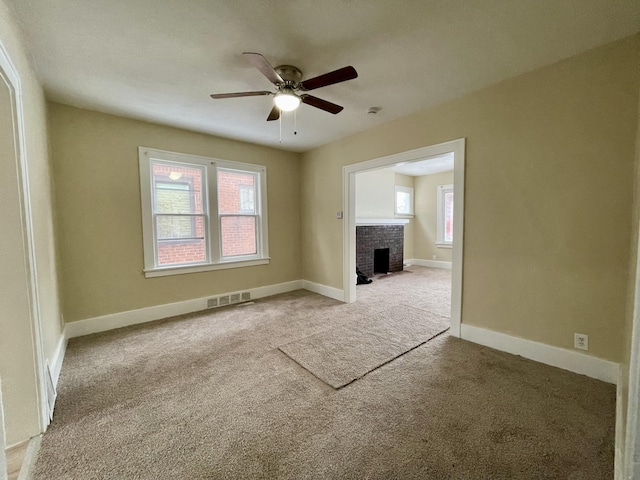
(95, 165)
(426, 219)
(549, 172)
(36, 155)
(375, 194)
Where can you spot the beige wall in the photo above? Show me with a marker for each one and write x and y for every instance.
(548, 192)
(375, 198)
(95, 168)
(17, 366)
(426, 219)
(375, 193)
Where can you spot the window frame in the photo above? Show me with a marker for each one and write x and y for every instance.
(213, 244)
(403, 189)
(442, 190)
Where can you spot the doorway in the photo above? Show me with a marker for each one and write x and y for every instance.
(455, 148)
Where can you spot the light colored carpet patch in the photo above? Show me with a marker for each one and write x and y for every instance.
(346, 353)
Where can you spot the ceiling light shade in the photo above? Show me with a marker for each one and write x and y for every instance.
(286, 101)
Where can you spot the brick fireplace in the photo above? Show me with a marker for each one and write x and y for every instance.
(372, 238)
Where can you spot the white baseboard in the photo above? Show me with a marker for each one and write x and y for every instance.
(58, 357)
(621, 418)
(148, 314)
(330, 292)
(428, 263)
(593, 367)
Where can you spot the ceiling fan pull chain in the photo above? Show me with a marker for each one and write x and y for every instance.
(295, 122)
(280, 123)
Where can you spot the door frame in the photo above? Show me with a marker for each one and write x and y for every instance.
(10, 74)
(457, 147)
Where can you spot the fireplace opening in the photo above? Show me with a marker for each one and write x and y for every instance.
(381, 260)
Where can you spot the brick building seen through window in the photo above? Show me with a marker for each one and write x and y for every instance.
(180, 216)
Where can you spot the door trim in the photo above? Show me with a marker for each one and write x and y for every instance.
(9, 73)
(457, 147)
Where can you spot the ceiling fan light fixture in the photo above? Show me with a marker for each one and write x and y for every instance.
(287, 101)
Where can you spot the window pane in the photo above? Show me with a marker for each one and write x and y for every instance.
(448, 217)
(181, 252)
(403, 203)
(177, 189)
(236, 192)
(238, 236)
(180, 240)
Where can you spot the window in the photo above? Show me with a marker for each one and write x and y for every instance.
(404, 201)
(445, 216)
(201, 213)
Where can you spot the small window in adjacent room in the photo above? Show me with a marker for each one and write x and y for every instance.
(445, 216)
(404, 201)
(201, 213)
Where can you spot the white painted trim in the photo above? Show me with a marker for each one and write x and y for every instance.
(148, 314)
(11, 73)
(362, 222)
(457, 147)
(325, 290)
(576, 362)
(30, 456)
(58, 357)
(163, 272)
(428, 263)
(618, 462)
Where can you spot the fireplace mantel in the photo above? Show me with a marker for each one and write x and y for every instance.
(367, 222)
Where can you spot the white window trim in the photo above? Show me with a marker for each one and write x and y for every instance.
(213, 247)
(409, 190)
(440, 242)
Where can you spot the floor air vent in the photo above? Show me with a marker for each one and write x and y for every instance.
(223, 300)
(235, 297)
(212, 303)
(246, 296)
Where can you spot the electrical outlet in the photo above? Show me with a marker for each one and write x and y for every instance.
(434, 257)
(581, 341)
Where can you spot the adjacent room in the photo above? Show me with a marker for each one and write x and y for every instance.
(342, 239)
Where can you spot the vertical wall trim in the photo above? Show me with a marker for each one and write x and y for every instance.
(11, 75)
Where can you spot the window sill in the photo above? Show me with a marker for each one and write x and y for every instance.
(444, 245)
(182, 269)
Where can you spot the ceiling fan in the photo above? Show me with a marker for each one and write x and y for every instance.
(287, 78)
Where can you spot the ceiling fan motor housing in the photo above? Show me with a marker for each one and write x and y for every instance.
(290, 74)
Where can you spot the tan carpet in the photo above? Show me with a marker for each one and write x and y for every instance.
(347, 353)
(209, 396)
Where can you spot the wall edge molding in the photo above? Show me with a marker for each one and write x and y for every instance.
(429, 263)
(58, 357)
(112, 321)
(593, 367)
(325, 290)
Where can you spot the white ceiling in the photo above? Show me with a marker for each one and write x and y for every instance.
(429, 166)
(158, 60)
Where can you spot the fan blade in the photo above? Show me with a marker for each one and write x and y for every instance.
(274, 115)
(218, 96)
(264, 66)
(337, 76)
(321, 104)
